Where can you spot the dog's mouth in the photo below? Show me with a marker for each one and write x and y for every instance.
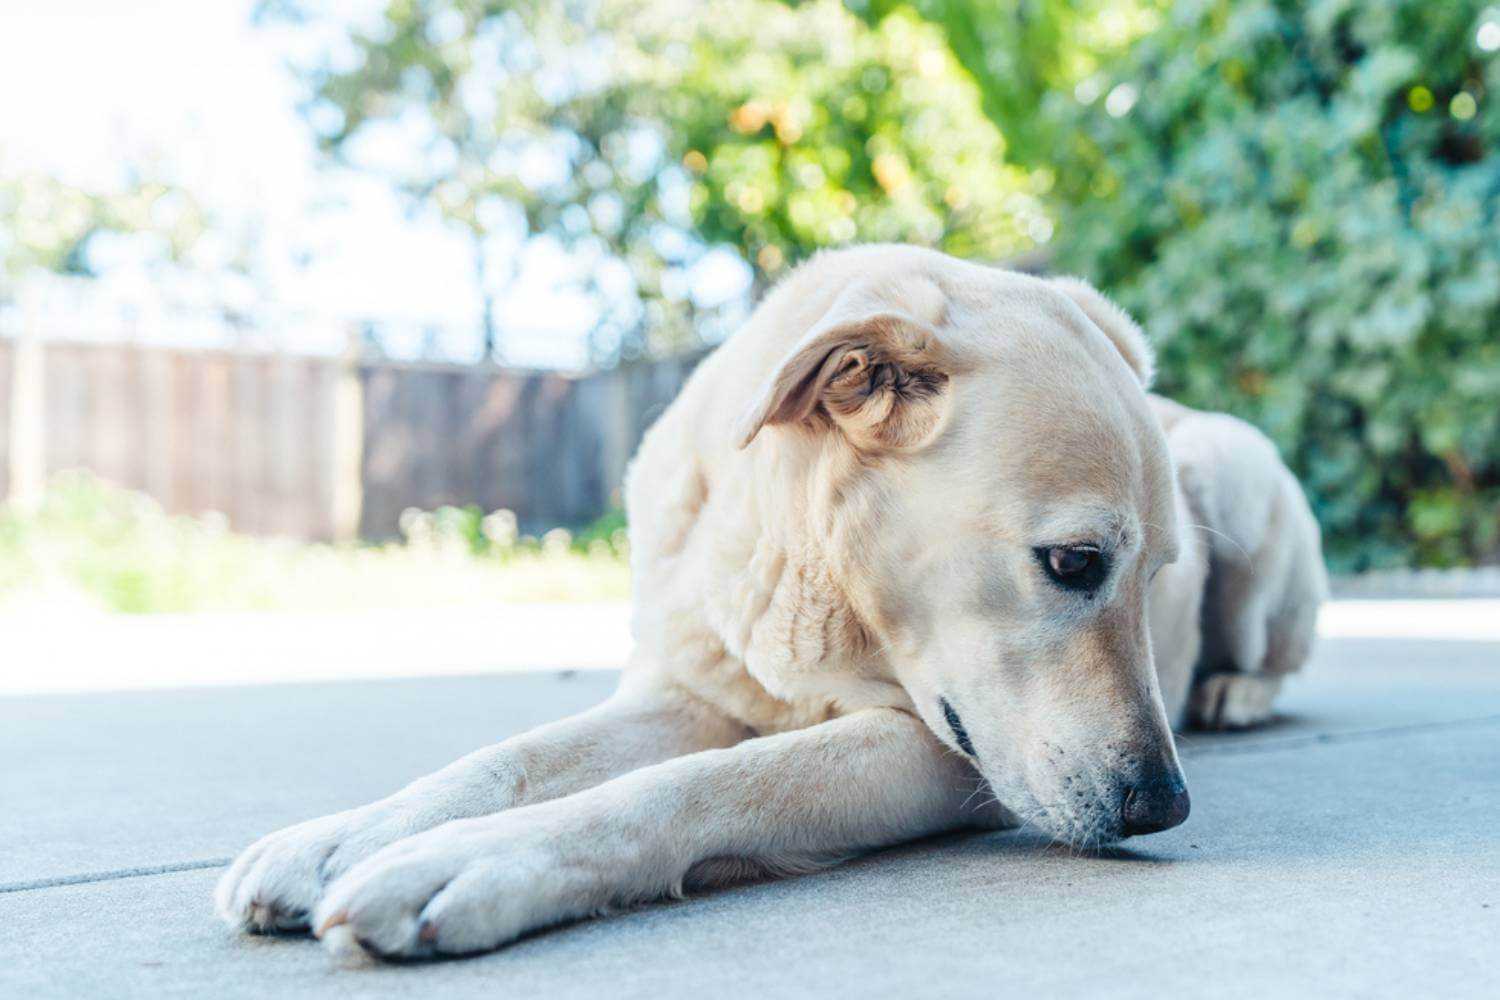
(956, 726)
(1086, 808)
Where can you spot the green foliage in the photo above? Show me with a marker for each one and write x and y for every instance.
(495, 535)
(639, 135)
(46, 224)
(1298, 198)
(1300, 202)
(1021, 51)
(609, 531)
(804, 127)
(509, 118)
(104, 548)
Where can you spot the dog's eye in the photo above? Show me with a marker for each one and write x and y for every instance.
(1075, 567)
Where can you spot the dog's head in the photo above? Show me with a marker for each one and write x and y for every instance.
(994, 496)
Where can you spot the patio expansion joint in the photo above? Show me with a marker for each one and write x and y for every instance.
(114, 875)
(1189, 751)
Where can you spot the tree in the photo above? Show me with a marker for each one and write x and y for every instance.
(644, 135)
(48, 225)
(806, 128)
(1020, 53)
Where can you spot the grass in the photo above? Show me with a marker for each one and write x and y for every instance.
(96, 546)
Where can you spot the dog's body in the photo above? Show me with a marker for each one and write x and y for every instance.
(896, 536)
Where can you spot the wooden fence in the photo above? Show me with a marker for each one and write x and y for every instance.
(316, 447)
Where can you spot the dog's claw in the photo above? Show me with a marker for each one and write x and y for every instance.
(345, 947)
(334, 919)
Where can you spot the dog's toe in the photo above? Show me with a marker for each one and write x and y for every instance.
(1233, 701)
(273, 887)
(444, 892)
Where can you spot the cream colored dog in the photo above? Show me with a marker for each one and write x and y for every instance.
(916, 530)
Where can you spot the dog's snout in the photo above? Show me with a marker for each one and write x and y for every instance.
(1153, 805)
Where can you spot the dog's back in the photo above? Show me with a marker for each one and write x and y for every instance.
(1266, 578)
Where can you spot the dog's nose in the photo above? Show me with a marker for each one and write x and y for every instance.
(1154, 805)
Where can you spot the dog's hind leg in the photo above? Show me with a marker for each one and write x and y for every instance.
(275, 883)
(1266, 578)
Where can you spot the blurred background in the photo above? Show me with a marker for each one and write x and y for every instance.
(316, 307)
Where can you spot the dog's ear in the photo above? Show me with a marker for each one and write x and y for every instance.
(874, 371)
(1116, 323)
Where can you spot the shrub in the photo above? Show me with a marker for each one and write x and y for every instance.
(1299, 200)
(88, 545)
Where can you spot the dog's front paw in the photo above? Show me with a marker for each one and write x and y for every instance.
(274, 885)
(468, 886)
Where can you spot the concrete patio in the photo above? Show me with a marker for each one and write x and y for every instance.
(1353, 849)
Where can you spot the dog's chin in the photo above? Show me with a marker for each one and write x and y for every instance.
(1083, 825)
(1082, 834)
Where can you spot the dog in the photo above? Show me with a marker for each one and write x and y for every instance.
(913, 551)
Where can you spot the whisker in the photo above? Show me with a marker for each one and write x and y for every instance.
(1244, 552)
(1215, 531)
(979, 786)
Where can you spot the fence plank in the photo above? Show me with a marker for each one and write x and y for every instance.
(7, 375)
(69, 409)
(158, 428)
(320, 456)
(112, 448)
(189, 494)
(499, 430)
(384, 452)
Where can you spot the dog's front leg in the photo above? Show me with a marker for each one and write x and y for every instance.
(781, 802)
(275, 883)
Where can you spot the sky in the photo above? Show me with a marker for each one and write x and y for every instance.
(194, 86)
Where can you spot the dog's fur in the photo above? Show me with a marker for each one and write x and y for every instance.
(846, 634)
